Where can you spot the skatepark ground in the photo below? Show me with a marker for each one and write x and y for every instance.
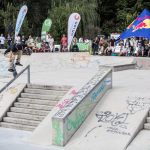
(76, 69)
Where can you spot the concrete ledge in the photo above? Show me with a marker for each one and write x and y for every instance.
(68, 119)
(122, 67)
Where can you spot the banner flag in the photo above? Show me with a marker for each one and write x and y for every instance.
(73, 23)
(140, 27)
(45, 28)
(20, 18)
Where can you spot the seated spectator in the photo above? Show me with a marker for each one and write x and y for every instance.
(80, 40)
(101, 46)
(108, 50)
(75, 47)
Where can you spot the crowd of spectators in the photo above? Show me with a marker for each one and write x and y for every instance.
(128, 47)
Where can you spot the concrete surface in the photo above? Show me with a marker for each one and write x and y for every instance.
(98, 131)
(141, 142)
(11, 139)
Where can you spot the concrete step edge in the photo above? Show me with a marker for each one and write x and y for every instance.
(49, 87)
(16, 126)
(29, 111)
(21, 121)
(42, 91)
(35, 101)
(33, 106)
(25, 116)
(39, 96)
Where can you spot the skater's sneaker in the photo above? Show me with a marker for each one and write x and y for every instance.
(11, 70)
(18, 63)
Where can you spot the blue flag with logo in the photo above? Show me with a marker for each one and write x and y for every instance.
(140, 27)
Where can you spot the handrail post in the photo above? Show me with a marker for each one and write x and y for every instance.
(28, 74)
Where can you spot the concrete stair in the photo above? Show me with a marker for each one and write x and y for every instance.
(32, 106)
(147, 124)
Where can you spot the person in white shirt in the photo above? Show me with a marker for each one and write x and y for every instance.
(50, 41)
(18, 39)
(2, 41)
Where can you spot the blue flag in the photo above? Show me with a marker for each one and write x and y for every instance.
(140, 27)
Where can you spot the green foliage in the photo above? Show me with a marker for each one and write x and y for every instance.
(97, 16)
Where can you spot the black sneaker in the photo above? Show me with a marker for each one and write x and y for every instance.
(11, 70)
(18, 63)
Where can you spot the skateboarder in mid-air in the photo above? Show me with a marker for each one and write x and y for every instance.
(15, 49)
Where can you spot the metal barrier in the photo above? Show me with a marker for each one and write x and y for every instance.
(18, 75)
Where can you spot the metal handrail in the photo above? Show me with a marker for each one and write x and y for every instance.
(18, 75)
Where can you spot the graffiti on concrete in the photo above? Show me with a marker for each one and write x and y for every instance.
(118, 122)
(75, 122)
(136, 104)
(62, 104)
(115, 130)
(58, 137)
(95, 94)
(92, 130)
(114, 119)
(81, 94)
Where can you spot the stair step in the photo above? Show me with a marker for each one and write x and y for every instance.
(39, 96)
(36, 101)
(49, 87)
(42, 91)
(29, 111)
(147, 126)
(25, 116)
(21, 121)
(17, 126)
(33, 106)
(148, 119)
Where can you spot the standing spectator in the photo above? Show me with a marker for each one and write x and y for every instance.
(2, 40)
(51, 43)
(9, 40)
(112, 43)
(95, 45)
(149, 48)
(18, 39)
(63, 43)
(140, 47)
(127, 47)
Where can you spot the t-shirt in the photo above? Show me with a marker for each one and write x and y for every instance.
(18, 39)
(2, 40)
(64, 41)
(112, 42)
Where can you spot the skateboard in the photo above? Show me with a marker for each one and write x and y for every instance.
(15, 71)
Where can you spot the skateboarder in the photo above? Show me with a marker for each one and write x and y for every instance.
(16, 49)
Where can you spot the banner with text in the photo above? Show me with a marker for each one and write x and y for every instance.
(20, 18)
(73, 23)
